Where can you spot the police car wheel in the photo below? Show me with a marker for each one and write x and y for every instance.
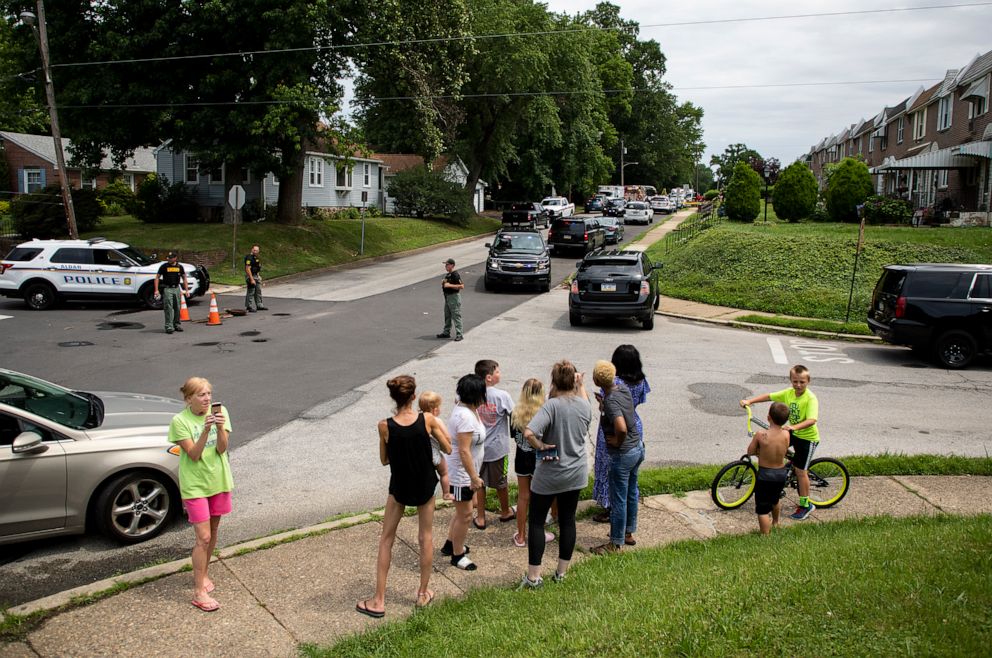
(40, 296)
(148, 297)
(135, 507)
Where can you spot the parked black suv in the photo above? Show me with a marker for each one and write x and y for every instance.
(518, 257)
(576, 233)
(614, 207)
(945, 309)
(615, 284)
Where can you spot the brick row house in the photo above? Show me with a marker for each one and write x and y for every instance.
(933, 148)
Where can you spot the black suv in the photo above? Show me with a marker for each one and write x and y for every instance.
(518, 257)
(945, 309)
(614, 207)
(615, 284)
(576, 233)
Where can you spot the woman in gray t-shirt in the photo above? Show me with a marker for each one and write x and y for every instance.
(558, 432)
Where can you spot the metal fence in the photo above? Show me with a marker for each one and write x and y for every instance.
(704, 218)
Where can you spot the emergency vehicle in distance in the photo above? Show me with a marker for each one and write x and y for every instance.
(45, 272)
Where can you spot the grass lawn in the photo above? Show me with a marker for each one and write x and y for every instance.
(805, 269)
(288, 249)
(879, 586)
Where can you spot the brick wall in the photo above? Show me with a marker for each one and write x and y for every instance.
(18, 158)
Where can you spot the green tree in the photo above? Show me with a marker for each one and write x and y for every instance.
(36, 216)
(420, 192)
(727, 162)
(795, 191)
(848, 186)
(705, 177)
(743, 196)
(22, 99)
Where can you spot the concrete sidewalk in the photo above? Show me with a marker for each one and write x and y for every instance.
(305, 590)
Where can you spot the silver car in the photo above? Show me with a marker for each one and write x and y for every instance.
(70, 460)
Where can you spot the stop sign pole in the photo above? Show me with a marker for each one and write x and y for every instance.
(236, 199)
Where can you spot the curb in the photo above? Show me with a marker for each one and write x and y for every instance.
(770, 328)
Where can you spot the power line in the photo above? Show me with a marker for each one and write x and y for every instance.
(504, 35)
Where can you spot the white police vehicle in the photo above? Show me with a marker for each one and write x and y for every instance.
(43, 272)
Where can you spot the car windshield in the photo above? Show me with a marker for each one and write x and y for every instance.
(618, 265)
(637, 205)
(528, 242)
(552, 202)
(50, 401)
(136, 256)
(608, 221)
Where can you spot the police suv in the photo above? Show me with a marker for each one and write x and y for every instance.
(43, 272)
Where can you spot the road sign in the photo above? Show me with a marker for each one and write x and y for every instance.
(236, 197)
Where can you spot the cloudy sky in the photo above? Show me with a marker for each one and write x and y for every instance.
(914, 47)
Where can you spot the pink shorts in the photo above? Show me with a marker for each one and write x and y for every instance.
(199, 510)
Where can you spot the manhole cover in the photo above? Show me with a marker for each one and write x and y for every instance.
(259, 340)
(105, 326)
(208, 344)
(250, 333)
(282, 315)
(75, 343)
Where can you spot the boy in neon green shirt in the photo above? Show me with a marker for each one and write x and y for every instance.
(804, 409)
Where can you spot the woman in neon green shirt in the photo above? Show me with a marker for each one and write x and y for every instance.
(202, 430)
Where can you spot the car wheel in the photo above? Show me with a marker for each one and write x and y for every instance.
(574, 319)
(955, 349)
(488, 284)
(40, 296)
(147, 295)
(648, 322)
(135, 507)
(546, 286)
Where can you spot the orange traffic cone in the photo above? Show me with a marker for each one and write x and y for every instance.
(214, 317)
(183, 311)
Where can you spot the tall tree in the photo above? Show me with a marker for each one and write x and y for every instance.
(728, 160)
(22, 101)
(242, 83)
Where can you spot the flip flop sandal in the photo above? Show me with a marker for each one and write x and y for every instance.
(428, 595)
(463, 563)
(205, 606)
(478, 526)
(518, 541)
(363, 607)
(507, 519)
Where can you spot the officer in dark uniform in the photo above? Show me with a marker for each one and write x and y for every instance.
(451, 286)
(171, 274)
(253, 295)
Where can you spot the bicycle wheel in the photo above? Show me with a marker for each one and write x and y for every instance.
(828, 482)
(734, 484)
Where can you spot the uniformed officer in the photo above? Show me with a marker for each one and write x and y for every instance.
(253, 295)
(172, 275)
(451, 286)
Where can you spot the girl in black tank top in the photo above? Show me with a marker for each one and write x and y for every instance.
(412, 478)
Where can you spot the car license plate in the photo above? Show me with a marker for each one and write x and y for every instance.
(567, 237)
(608, 287)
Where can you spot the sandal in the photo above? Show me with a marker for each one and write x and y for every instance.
(428, 595)
(363, 607)
(519, 541)
(206, 606)
(462, 562)
(507, 519)
(478, 526)
(448, 550)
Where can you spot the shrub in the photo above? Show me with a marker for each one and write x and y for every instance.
(886, 210)
(157, 202)
(252, 211)
(4, 207)
(41, 215)
(419, 192)
(820, 213)
(117, 199)
(795, 193)
(348, 213)
(743, 196)
(848, 187)
(709, 195)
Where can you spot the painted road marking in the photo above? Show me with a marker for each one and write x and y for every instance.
(778, 352)
(6, 317)
(817, 352)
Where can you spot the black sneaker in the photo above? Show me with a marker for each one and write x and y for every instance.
(250, 310)
(169, 331)
(458, 338)
(443, 335)
(177, 328)
(263, 308)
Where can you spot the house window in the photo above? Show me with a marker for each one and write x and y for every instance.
(316, 172)
(192, 170)
(128, 180)
(900, 129)
(34, 180)
(977, 107)
(871, 144)
(942, 178)
(944, 107)
(345, 176)
(216, 176)
(367, 175)
(884, 142)
(87, 182)
(920, 124)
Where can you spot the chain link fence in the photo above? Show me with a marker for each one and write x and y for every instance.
(705, 217)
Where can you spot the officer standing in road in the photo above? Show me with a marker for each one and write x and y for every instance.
(171, 274)
(452, 286)
(253, 296)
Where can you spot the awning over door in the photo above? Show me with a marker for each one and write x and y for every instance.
(954, 157)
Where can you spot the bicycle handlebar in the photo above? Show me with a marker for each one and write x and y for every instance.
(751, 419)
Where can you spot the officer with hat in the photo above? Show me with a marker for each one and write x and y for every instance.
(451, 286)
(171, 274)
(253, 294)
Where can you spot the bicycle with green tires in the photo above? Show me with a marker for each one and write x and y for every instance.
(734, 483)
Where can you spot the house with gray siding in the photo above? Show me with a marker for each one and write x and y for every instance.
(451, 165)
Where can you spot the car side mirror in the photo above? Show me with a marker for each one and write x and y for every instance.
(123, 263)
(658, 265)
(155, 256)
(489, 245)
(578, 263)
(27, 443)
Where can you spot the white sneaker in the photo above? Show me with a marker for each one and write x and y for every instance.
(527, 583)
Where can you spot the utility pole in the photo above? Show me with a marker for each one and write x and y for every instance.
(41, 31)
(623, 151)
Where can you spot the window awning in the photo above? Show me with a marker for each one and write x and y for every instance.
(954, 157)
(978, 89)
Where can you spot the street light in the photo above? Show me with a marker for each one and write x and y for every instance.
(37, 23)
(768, 172)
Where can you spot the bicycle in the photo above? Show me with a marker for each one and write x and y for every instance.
(733, 485)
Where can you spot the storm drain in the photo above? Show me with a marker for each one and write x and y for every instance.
(259, 340)
(106, 326)
(249, 333)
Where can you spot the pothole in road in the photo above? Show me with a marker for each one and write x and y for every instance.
(106, 326)
(249, 333)
(259, 340)
(782, 381)
(282, 315)
(718, 399)
(75, 343)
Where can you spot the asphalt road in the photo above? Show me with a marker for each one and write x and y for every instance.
(317, 387)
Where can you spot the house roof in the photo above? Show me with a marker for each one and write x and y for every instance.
(949, 83)
(43, 146)
(897, 109)
(978, 67)
(923, 99)
(397, 162)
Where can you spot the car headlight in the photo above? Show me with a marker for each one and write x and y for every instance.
(543, 265)
(493, 264)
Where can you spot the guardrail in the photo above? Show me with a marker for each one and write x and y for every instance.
(704, 218)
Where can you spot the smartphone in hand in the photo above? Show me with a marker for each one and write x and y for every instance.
(551, 454)
(215, 408)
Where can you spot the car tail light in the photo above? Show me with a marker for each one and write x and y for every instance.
(575, 287)
(585, 236)
(901, 307)
(645, 288)
(3, 267)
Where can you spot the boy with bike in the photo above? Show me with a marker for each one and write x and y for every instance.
(804, 435)
(770, 446)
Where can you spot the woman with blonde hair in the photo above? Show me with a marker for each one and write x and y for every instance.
(524, 463)
(202, 431)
